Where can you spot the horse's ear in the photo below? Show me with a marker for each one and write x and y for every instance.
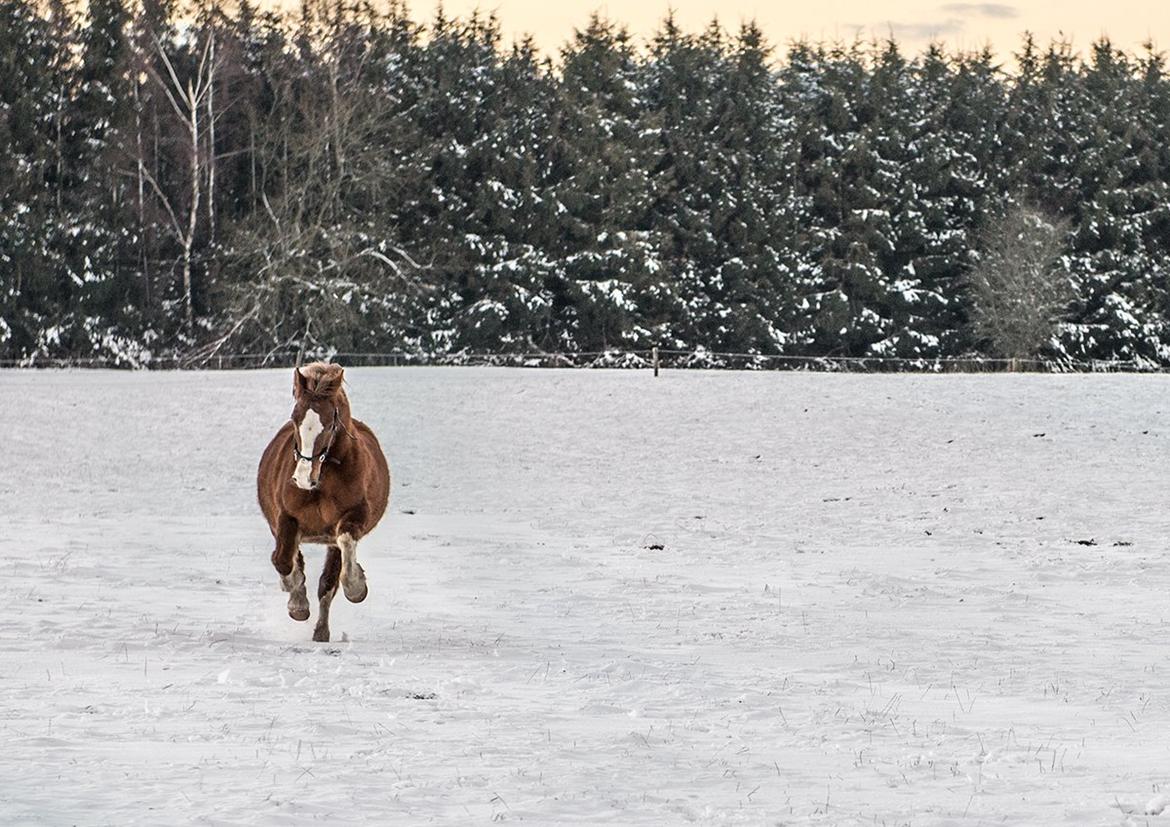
(300, 383)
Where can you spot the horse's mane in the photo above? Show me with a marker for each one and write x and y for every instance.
(325, 379)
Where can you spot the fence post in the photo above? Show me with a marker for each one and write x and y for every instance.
(654, 356)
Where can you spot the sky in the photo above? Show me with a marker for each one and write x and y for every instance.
(959, 24)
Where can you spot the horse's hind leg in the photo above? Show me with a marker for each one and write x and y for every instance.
(290, 565)
(325, 591)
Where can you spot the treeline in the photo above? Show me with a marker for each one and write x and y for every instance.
(193, 182)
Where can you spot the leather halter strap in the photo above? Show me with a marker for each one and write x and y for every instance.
(324, 455)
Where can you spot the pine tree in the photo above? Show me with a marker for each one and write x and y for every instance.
(34, 294)
(1116, 315)
(954, 110)
(598, 196)
(689, 167)
(752, 223)
(94, 231)
(846, 293)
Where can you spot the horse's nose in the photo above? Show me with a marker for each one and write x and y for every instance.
(305, 485)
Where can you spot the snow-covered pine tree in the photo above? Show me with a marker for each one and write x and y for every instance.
(719, 169)
(754, 227)
(1153, 195)
(845, 294)
(598, 195)
(488, 126)
(95, 231)
(681, 306)
(954, 109)
(35, 293)
(1111, 163)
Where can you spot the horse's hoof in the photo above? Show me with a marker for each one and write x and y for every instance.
(321, 634)
(356, 596)
(355, 587)
(298, 613)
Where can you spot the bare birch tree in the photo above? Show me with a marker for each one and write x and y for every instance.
(1019, 289)
(187, 100)
(319, 262)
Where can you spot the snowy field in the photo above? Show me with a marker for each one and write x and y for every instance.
(597, 597)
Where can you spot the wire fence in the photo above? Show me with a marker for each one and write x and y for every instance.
(620, 359)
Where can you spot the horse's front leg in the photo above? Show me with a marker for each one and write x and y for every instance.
(353, 577)
(325, 591)
(290, 565)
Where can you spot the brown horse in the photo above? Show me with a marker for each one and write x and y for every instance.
(323, 479)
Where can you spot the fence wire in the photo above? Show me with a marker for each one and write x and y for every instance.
(623, 359)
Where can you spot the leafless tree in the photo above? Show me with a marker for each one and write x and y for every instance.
(1019, 289)
(318, 259)
(193, 104)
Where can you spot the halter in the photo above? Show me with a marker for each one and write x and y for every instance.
(324, 455)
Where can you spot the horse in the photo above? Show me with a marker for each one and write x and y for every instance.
(323, 479)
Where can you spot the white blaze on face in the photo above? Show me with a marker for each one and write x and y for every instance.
(311, 427)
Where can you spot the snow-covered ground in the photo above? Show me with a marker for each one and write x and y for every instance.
(596, 597)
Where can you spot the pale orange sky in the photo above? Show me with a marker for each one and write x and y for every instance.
(962, 24)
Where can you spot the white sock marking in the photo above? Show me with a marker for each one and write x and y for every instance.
(348, 547)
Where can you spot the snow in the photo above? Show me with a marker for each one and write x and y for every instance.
(597, 597)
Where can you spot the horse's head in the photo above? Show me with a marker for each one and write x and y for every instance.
(317, 419)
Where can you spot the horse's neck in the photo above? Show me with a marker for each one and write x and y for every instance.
(347, 438)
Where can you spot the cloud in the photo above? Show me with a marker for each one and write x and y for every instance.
(927, 30)
(952, 25)
(999, 10)
(915, 31)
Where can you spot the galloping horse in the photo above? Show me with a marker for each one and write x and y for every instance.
(323, 479)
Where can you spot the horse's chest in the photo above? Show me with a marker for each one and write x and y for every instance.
(317, 519)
